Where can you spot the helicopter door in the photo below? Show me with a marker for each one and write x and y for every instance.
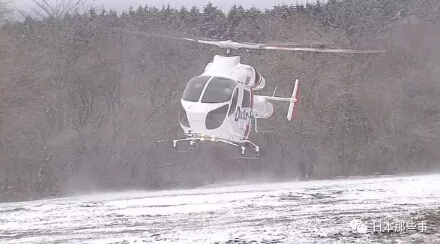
(232, 114)
(241, 117)
(246, 107)
(234, 102)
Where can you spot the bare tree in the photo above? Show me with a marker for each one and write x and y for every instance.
(4, 11)
(57, 10)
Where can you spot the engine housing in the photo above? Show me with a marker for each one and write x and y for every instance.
(262, 108)
(256, 81)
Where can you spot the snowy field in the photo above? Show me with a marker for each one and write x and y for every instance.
(294, 212)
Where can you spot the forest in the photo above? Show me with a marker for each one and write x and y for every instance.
(86, 106)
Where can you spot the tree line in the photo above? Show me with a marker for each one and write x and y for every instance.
(85, 105)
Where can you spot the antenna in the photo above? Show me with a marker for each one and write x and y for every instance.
(274, 91)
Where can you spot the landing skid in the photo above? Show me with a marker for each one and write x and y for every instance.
(248, 156)
(247, 149)
(184, 150)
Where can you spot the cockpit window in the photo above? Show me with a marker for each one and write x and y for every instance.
(219, 90)
(194, 88)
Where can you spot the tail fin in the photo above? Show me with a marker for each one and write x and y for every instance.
(293, 107)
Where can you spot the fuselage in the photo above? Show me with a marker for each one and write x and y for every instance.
(220, 101)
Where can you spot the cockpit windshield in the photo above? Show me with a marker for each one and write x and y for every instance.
(219, 90)
(194, 88)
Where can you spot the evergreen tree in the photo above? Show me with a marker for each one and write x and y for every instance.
(212, 22)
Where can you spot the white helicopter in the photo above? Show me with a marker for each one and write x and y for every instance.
(219, 104)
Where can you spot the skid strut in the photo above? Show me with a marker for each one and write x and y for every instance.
(191, 141)
(244, 146)
(255, 153)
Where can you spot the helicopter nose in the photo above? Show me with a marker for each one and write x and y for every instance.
(195, 116)
(215, 118)
(203, 117)
(196, 119)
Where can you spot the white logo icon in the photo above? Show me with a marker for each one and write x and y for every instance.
(357, 225)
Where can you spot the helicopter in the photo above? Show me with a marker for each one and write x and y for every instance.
(220, 104)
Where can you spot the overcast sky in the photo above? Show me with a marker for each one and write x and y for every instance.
(225, 5)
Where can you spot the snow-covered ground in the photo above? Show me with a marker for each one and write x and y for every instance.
(294, 212)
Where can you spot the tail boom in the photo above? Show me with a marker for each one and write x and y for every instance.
(293, 101)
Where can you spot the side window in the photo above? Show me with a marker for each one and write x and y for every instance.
(246, 99)
(233, 103)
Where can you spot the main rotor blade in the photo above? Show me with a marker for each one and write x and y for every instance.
(284, 47)
(324, 50)
(262, 46)
(227, 44)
